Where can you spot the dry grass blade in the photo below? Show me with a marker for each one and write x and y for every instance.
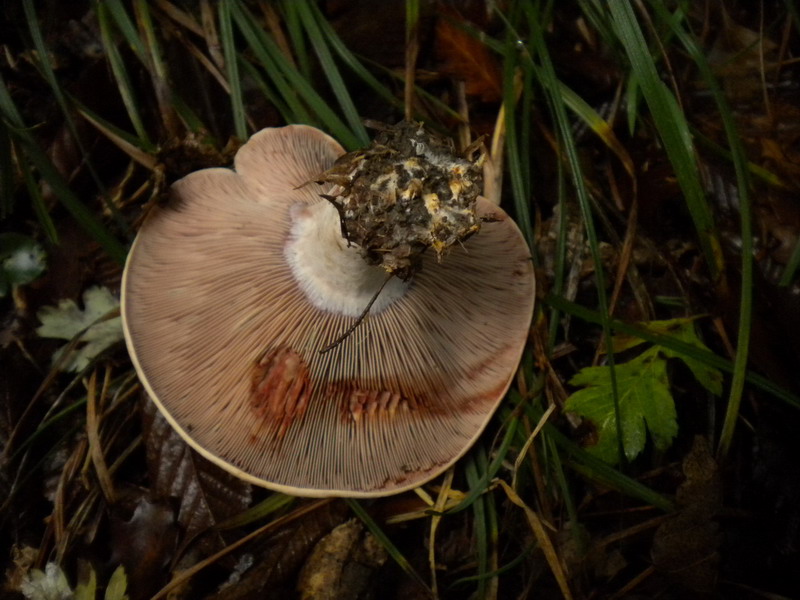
(146, 159)
(543, 538)
(93, 432)
(524, 450)
(493, 162)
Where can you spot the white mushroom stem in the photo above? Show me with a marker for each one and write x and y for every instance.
(333, 275)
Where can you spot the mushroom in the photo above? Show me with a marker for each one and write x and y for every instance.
(233, 287)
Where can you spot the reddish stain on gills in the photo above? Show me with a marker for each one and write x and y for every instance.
(280, 391)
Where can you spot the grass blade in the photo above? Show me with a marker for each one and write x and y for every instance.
(127, 28)
(39, 207)
(276, 65)
(349, 59)
(743, 186)
(319, 42)
(391, 549)
(672, 127)
(479, 524)
(120, 73)
(481, 486)
(50, 76)
(55, 180)
(232, 68)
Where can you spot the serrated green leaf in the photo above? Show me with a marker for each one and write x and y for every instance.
(684, 331)
(96, 333)
(709, 377)
(645, 403)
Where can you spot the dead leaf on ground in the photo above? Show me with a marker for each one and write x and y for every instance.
(685, 548)
(342, 564)
(145, 544)
(276, 560)
(206, 493)
(466, 58)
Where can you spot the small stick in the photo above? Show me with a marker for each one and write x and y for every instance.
(359, 320)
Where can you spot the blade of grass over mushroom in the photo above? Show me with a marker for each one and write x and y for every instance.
(55, 180)
(323, 52)
(232, 67)
(672, 127)
(277, 66)
(121, 77)
(707, 358)
(739, 158)
(384, 540)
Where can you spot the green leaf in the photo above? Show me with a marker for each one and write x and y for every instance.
(90, 327)
(117, 585)
(709, 377)
(21, 261)
(87, 590)
(645, 403)
(684, 331)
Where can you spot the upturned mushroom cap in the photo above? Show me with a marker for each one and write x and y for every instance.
(232, 289)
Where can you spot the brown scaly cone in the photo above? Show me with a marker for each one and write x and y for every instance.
(403, 194)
